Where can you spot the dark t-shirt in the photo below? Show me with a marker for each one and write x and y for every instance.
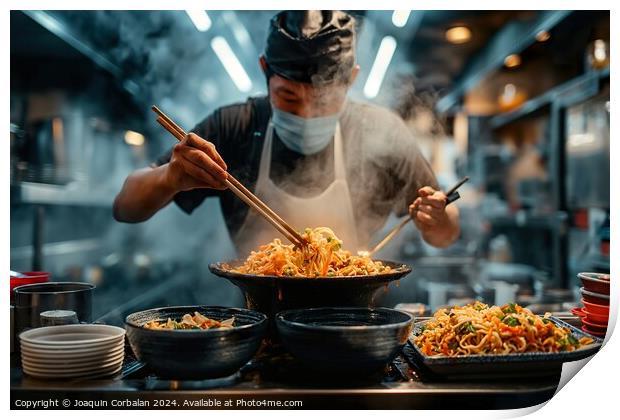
(384, 166)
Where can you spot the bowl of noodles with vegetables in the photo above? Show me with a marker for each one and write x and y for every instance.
(322, 273)
(195, 342)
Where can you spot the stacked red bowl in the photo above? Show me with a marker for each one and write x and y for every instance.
(595, 299)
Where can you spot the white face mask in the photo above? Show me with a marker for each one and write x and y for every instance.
(304, 135)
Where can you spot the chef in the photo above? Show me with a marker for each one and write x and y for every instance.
(314, 156)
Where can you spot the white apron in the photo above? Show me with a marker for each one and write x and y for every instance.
(332, 208)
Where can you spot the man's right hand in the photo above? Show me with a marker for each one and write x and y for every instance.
(195, 163)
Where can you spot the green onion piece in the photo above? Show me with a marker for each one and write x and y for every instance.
(513, 322)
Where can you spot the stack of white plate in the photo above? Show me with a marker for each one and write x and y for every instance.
(72, 351)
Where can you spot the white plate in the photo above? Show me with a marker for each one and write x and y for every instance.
(60, 359)
(90, 365)
(72, 335)
(72, 347)
(80, 371)
(50, 368)
(65, 339)
(83, 354)
(87, 375)
(64, 375)
(75, 372)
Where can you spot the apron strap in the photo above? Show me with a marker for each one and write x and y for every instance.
(339, 168)
(265, 160)
(265, 157)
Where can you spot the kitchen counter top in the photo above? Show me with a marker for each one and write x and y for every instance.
(279, 385)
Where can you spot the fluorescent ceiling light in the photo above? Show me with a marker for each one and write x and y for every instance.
(231, 63)
(200, 19)
(379, 67)
(400, 17)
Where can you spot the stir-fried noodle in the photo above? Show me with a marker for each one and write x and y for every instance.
(480, 329)
(321, 256)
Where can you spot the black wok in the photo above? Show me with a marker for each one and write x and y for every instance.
(272, 294)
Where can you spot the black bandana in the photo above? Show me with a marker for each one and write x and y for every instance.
(311, 46)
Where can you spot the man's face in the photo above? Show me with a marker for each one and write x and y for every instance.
(304, 99)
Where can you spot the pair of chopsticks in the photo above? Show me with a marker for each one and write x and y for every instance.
(451, 196)
(237, 188)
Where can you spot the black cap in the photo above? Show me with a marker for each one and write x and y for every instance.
(311, 46)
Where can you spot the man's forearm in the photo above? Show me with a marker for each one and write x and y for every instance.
(444, 234)
(145, 192)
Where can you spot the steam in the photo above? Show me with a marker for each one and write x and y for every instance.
(412, 104)
(374, 137)
(164, 53)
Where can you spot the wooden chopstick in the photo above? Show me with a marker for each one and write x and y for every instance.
(237, 188)
(168, 120)
(266, 209)
(232, 179)
(244, 197)
(390, 235)
(168, 127)
(406, 219)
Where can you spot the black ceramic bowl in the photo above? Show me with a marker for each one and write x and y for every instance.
(272, 294)
(196, 354)
(357, 341)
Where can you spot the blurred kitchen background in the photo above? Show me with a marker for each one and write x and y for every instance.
(517, 100)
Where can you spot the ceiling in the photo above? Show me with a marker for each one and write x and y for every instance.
(162, 52)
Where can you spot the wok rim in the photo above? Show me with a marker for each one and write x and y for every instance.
(401, 270)
(317, 328)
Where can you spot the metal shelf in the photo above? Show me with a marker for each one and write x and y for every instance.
(585, 85)
(54, 24)
(70, 194)
(554, 220)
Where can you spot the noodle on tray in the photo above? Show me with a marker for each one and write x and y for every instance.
(477, 329)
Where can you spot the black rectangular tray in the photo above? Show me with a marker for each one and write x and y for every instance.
(522, 365)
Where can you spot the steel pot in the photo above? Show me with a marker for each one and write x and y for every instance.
(32, 299)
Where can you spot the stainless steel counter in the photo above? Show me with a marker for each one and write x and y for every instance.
(279, 382)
